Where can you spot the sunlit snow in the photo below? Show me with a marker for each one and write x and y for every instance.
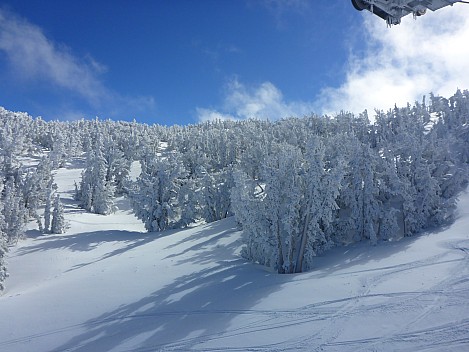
(106, 285)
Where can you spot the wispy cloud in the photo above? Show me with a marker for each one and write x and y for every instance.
(263, 101)
(403, 63)
(35, 57)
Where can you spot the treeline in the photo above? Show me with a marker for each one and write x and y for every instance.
(297, 186)
(30, 151)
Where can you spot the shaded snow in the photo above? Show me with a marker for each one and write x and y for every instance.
(106, 285)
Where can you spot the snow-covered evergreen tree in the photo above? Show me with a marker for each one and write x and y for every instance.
(348, 224)
(96, 191)
(34, 187)
(3, 245)
(103, 191)
(154, 195)
(286, 213)
(3, 252)
(14, 212)
(58, 224)
(10, 147)
(322, 186)
(248, 206)
(58, 154)
(370, 191)
(118, 166)
(188, 207)
(51, 187)
(284, 186)
(215, 195)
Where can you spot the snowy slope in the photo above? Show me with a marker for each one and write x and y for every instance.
(106, 285)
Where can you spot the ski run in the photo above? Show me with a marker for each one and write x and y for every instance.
(107, 285)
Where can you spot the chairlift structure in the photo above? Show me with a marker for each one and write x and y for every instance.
(393, 10)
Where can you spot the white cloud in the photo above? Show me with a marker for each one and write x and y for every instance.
(264, 101)
(204, 114)
(34, 57)
(399, 65)
(403, 63)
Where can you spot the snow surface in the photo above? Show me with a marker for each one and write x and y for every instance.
(106, 285)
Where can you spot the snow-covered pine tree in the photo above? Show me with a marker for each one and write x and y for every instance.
(118, 167)
(348, 223)
(358, 206)
(51, 188)
(34, 187)
(188, 208)
(251, 157)
(3, 245)
(32, 194)
(322, 187)
(3, 253)
(14, 212)
(58, 224)
(370, 192)
(284, 186)
(103, 191)
(154, 195)
(58, 154)
(85, 192)
(96, 191)
(249, 208)
(10, 147)
(215, 195)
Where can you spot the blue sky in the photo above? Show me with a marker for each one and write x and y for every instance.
(184, 61)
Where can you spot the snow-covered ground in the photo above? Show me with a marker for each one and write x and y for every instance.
(106, 285)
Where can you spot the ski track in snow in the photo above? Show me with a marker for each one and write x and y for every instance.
(107, 286)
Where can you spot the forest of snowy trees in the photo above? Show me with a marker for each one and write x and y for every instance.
(296, 186)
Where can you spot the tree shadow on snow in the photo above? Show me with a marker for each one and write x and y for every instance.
(87, 241)
(195, 308)
(346, 258)
(209, 243)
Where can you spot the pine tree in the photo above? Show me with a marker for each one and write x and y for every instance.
(58, 154)
(3, 245)
(3, 253)
(85, 192)
(58, 225)
(247, 204)
(14, 212)
(48, 205)
(118, 167)
(188, 208)
(215, 195)
(370, 192)
(103, 191)
(34, 187)
(10, 147)
(322, 187)
(285, 214)
(154, 195)
(96, 191)
(283, 197)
